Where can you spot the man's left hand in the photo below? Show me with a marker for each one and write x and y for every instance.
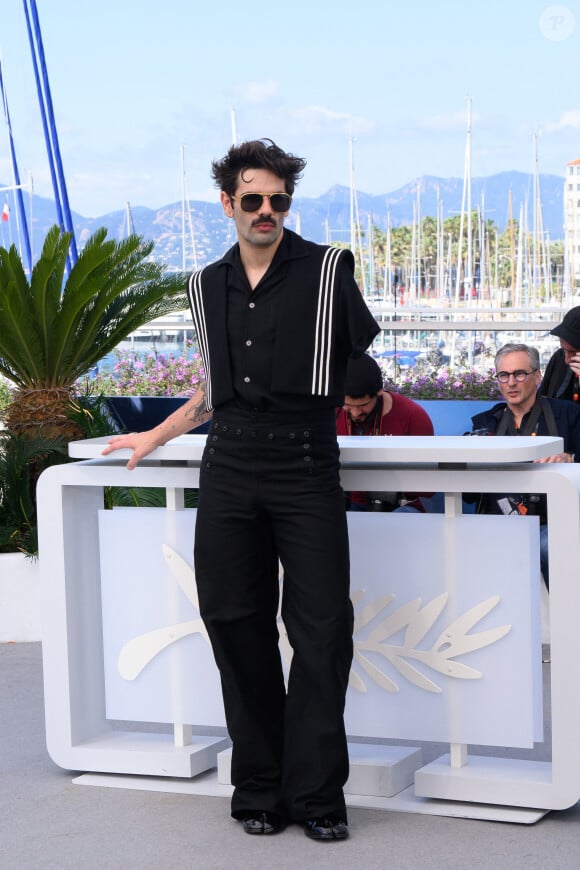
(558, 457)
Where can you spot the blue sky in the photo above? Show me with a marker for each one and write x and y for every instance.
(135, 80)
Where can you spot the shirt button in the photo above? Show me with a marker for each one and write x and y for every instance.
(248, 343)
(306, 433)
(292, 436)
(307, 459)
(246, 380)
(270, 436)
(306, 446)
(252, 305)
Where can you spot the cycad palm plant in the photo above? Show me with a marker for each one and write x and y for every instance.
(53, 328)
(21, 460)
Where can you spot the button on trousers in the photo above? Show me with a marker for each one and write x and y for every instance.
(270, 496)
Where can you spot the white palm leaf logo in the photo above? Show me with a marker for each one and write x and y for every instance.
(406, 658)
(140, 650)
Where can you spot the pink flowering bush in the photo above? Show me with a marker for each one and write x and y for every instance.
(151, 374)
(446, 384)
(160, 374)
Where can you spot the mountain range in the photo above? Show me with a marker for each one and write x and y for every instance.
(208, 233)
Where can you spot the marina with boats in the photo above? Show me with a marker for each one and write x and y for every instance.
(447, 289)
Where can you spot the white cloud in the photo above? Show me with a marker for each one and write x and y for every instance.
(317, 119)
(257, 92)
(569, 119)
(448, 121)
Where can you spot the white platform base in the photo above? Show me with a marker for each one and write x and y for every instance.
(374, 770)
(383, 771)
(148, 754)
(405, 802)
(479, 779)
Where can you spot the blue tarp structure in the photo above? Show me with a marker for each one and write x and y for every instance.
(402, 357)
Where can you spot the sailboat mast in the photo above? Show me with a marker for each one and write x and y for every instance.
(388, 281)
(440, 267)
(234, 128)
(186, 219)
(355, 228)
(21, 222)
(183, 207)
(469, 269)
(539, 250)
(419, 240)
(512, 251)
(351, 182)
(129, 225)
(371, 254)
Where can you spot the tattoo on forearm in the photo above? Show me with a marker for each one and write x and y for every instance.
(198, 412)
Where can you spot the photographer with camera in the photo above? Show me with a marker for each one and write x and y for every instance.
(525, 412)
(562, 376)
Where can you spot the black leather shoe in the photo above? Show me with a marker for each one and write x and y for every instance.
(262, 822)
(326, 829)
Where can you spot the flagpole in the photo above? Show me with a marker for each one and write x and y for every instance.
(49, 127)
(16, 175)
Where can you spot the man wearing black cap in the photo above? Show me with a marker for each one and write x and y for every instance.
(562, 376)
(368, 409)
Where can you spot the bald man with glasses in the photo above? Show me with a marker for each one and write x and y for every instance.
(525, 412)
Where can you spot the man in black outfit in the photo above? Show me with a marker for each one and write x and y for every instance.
(276, 319)
(525, 412)
(562, 376)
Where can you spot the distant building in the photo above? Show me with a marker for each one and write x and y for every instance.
(572, 222)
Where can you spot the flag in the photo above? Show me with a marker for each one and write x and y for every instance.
(5, 212)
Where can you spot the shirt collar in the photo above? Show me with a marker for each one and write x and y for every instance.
(292, 247)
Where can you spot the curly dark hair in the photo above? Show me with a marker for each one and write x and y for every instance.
(256, 154)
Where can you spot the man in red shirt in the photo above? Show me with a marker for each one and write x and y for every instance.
(368, 409)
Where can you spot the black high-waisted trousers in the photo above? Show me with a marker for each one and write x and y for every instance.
(270, 494)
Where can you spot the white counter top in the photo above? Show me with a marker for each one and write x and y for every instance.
(366, 450)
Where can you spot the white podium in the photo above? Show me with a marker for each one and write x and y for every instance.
(80, 685)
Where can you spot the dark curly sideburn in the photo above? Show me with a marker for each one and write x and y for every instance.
(256, 154)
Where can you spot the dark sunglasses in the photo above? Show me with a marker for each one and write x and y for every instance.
(253, 201)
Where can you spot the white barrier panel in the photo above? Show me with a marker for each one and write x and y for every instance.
(81, 735)
(441, 644)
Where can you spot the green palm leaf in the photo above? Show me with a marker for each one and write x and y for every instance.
(54, 328)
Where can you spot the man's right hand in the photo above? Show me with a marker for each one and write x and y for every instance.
(141, 443)
(574, 363)
(187, 416)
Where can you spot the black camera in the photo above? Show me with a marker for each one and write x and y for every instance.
(482, 431)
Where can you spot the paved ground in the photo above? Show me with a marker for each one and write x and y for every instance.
(47, 823)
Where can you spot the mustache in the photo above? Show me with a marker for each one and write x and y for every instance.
(264, 220)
